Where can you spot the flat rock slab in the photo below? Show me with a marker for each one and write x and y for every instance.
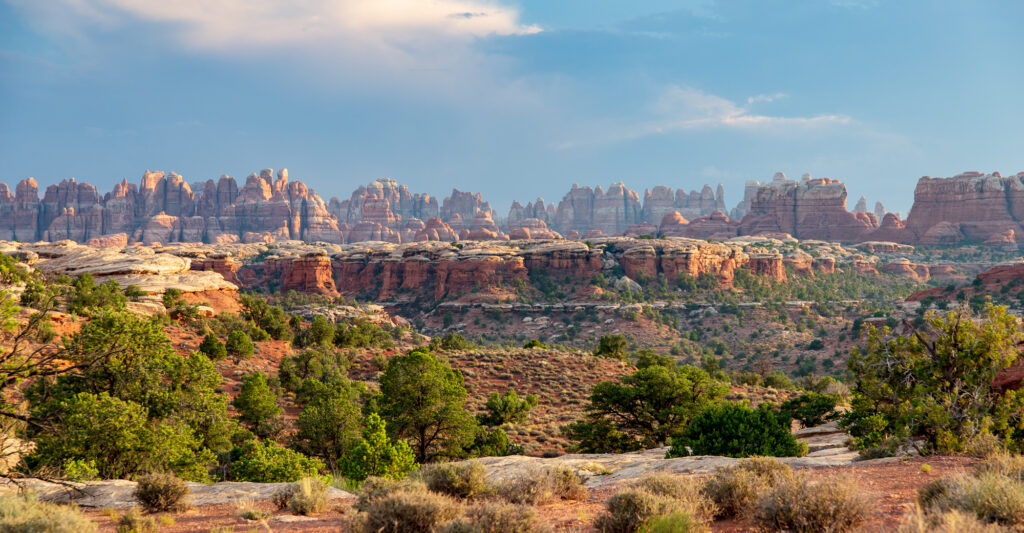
(118, 493)
(605, 470)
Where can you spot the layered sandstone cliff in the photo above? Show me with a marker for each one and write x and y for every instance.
(164, 208)
(969, 207)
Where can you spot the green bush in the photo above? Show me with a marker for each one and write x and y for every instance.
(328, 425)
(643, 409)
(407, 511)
(735, 490)
(21, 513)
(735, 430)
(613, 346)
(307, 496)
(257, 405)
(213, 348)
(268, 462)
(797, 504)
(376, 455)
(161, 492)
(80, 470)
(534, 343)
(239, 346)
(461, 480)
(451, 342)
(673, 523)
(810, 408)
(507, 408)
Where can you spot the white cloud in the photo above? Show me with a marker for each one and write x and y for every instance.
(765, 98)
(680, 108)
(244, 25)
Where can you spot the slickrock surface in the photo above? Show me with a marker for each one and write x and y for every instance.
(152, 270)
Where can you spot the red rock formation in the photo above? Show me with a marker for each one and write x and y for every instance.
(163, 208)
(714, 226)
(585, 210)
(673, 225)
(222, 264)
(531, 228)
(812, 209)
(968, 207)
(643, 228)
(436, 230)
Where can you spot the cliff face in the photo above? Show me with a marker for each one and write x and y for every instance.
(810, 209)
(163, 208)
(971, 207)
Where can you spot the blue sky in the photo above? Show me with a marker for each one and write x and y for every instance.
(515, 100)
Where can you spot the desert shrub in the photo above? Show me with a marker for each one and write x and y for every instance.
(497, 518)
(268, 462)
(534, 343)
(947, 522)
(673, 523)
(810, 408)
(507, 408)
(461, 480)
(800, 505)
(735, 430)
(361, 333)
(630, 510)
(735, 489)
(936, 383)
(133, 521)
(374, 488)
(213, 348)
(540, 486)
(257, 405)
(681, 489)
(407, 511)
(247, 509)
(239, 346)
(161, 492)
(376, 455)
(989, 495)
(319, 363)
(1004, 464)
(80, 470)
(268, 318)
(21, 513)
(307, 496)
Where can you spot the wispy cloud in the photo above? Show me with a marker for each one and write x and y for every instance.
(681, 108)
(242, 25)
(765, 98)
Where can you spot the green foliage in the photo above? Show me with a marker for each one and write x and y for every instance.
(937, 384)
(80, 470)
(87, 298)
(213, 348)
(735, 430)
(534, 343)
(461, 480)
(257, 405)
(266, 317)
(613, 346)
(376, 455)
(145, 386)
(630, 510)
(810, 408)
(21, 513)
(994, 492)
(268, 462)
(451, 342)
(423, 401)
(319, 333)
(361, 333)
(328, 425)
(507, 408)
(239, 346)
(797, 504)
(643, 409)
(322, 364)
(493, 442)
(646, 358)
(10, 272)
(161, 493)
(126, 442)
